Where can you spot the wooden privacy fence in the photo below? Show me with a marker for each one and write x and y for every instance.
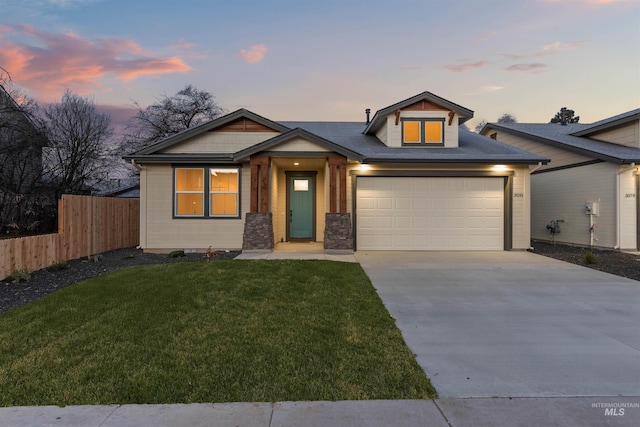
(86, 225)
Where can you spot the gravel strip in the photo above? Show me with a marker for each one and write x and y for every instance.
(44, 282)
(610, 261)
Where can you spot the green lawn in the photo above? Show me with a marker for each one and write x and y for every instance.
(223, 331)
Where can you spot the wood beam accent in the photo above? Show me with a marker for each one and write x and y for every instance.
(264, 187)
(397, 117)
(254, 187)
(337, 184)
(451, 114)
(259, 184)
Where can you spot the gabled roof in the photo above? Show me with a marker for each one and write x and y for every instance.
(380, 116)
(564, 137)
(609, 123)
(472, 148)
(297, 133)
(205, 127)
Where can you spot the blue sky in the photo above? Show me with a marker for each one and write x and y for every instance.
(329, 60)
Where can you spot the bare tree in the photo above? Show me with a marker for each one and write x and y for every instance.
(24, 202)
(507, 118)
(169, 115)
(480, 125)
(79, 157)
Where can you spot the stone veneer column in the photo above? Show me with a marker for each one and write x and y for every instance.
(258, 232)
(337, 232)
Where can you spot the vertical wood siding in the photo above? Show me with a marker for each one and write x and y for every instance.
(86, 225)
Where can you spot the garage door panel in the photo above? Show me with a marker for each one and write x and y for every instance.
(430, 213)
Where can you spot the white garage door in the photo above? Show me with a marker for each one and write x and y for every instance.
(430, 213)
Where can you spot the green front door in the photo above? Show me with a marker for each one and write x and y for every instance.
(301, 191)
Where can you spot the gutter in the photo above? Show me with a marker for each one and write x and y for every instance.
(618, 201)
(531, 171)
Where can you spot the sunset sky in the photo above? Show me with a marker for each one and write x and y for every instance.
(329, 60)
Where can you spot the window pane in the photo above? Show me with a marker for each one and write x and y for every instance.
(224, 181)
(189, 179)
(411, 132)
(189, 204)
(432, 131)
(300, 185)
(224, 204)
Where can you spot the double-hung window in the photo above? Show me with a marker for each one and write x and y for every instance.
(206, 192)
(429, 132)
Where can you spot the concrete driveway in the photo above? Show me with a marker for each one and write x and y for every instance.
(512, 324)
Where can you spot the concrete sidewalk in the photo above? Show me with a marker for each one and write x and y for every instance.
(494, 412)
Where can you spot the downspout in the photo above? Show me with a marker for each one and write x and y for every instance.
(618, 202)
(536, 168)
(135, 165)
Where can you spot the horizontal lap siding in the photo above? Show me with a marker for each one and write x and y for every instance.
(559, 157)
(220, 142)
(561, 195)
(163, 232)
(628, 135)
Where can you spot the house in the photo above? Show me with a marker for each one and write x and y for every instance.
(587, 195)
(407, 179)
(23, 198)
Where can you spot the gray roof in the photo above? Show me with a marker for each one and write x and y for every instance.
(346, 138)
(473, 148)
(609, 123)
(564, 137)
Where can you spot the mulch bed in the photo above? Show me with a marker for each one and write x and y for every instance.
(46, 281)
(610, 261)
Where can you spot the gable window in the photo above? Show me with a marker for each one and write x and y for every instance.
(206, 192)
(428, 132)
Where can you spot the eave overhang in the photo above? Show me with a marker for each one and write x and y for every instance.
(292, 134)
(579, 150)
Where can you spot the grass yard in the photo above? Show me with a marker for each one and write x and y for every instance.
(224, 331)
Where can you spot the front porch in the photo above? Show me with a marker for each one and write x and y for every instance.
(310, 250)
(298, 198)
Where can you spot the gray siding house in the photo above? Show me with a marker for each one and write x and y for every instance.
(587, 195)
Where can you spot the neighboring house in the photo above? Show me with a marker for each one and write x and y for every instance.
(123, 188)
(589, 190)
(408, 179)
(22, 195)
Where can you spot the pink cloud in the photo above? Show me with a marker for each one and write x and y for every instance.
(528, 68)
(254, 54)
(49, 63)
(461, 68)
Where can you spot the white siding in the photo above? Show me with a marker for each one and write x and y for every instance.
(382, 133)
(627, 135)
(298, 145)
(394, 133)
(220, 142)
(562, 195)
(164, 233)
(628, 209)
(521, 208)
